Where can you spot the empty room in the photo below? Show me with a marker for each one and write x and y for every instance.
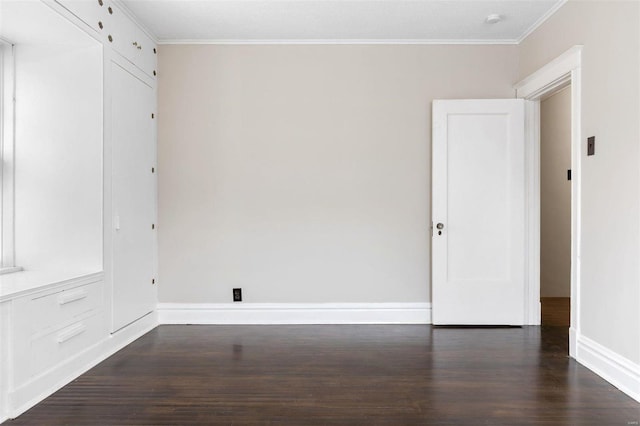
(320, 212)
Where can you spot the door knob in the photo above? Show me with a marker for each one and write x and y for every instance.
(440, 226)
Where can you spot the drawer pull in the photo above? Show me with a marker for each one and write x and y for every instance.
(71, 332)
(72, 297)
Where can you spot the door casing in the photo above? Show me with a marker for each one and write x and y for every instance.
(559, 73)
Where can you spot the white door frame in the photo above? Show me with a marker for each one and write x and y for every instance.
(562, 71)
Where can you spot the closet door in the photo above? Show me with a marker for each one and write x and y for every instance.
(133, 197)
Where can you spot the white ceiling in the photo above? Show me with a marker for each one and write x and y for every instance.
(346, 21)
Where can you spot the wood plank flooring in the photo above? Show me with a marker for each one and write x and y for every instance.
(556, 311)
(370, 374)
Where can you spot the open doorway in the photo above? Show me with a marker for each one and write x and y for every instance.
(564, 71)
(555, 208)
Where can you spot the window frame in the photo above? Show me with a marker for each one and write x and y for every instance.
(7, 157)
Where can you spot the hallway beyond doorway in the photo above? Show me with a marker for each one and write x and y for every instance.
(556, 311)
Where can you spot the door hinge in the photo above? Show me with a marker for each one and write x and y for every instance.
(153, 280)
(153, 170)
(153, 116)
(153, 226)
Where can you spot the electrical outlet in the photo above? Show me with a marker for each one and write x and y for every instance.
(237, 295)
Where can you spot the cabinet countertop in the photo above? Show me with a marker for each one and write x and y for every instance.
(22, 283)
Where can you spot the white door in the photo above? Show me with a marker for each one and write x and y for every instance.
(133, 197)
(478, 212)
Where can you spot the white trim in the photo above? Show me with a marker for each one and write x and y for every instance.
(339, 41)
(541, 21)
(294, 313)
(25, 397)
(551, 76)
(576, 203)
(10, 270)
(564, 70)
(617, 370)
(7, 153)
(532, 310)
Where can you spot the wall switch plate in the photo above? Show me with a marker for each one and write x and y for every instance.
(591, 145)
(237, 295)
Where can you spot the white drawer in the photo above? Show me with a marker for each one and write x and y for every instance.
(54, 348)
(55, 310)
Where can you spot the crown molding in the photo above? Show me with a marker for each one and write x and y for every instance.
(337, 41)
(541, 21)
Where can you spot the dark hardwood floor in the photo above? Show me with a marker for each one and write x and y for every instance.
(371, 374)
(556, 311)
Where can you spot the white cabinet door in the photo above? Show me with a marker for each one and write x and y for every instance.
(478, 212)
(93, 13)
(124, 33)
(132, 43)
(6, 368)
(146, 58)
(133, 197)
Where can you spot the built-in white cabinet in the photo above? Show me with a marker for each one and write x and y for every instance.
(132, 43)
(134, 200)
(50, 321)
(5, 373)
(130, 199)
(94, 13)
(116, 30)
(85, 194)
(53, 325)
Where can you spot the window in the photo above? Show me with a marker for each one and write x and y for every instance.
(7, 139)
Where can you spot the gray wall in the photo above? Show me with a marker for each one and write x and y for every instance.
(302, 173)
(555, 195)
(609, 269)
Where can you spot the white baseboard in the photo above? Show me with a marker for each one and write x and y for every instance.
(573, 342)
(617, 370)
(294, 313)
(33, 392)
